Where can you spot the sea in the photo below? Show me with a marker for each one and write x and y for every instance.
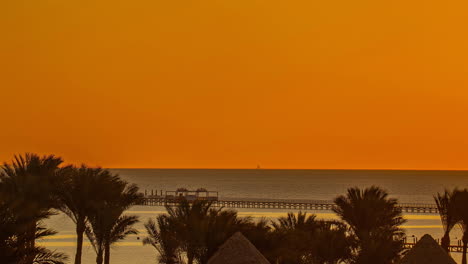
(408, 186)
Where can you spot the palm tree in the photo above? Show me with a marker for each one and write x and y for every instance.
(194, 228)
(42, 255)
(107, 224)
(31, 182)
(447, 215)
(331, 244)
(162, 236)
(13, 244)
(82, 188)
(219, 226)
(187, 220)
(374, 220)
(292, 222)
(260, 234)
(293, 236)
(460, 202)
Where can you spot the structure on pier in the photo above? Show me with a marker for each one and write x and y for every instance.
(427, 251)
(183, 193)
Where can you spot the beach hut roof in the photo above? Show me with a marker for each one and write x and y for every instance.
(427, 251)
(238, 250)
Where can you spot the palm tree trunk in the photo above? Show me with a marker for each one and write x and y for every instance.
(190, 258)
(80, 228)
(465, 244)
(31, 242)
(445, 242)
(99, 257)
(107, 253)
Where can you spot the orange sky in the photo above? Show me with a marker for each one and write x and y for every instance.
(236, 83)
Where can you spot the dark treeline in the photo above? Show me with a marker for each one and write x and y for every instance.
(453, 210)
(367, 233)
(33, 187)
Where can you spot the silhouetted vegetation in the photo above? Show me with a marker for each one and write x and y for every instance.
(195, 230)
(453, 210)
(460, 201)
(106, 222)
(28, 194)
(373, 221)
(301, 238)
(369, 232)
(81, 189)
(33, 188)
(446, 207)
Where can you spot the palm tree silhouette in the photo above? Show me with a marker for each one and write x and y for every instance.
(302, 238)
(374, 220)
(293, 236)
(82, 188)
(106, 222)
(447, 214)
(162, 236)
(460, 201)
(301, 221)
(30, 183)
(14, 223)
(260, 233)
(187, 219)
(219, 226)
(331, 244)
(193, 228)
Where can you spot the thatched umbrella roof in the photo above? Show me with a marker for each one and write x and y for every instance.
(238, 250)
(427, 251)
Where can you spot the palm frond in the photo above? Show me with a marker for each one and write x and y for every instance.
(45, 256)
(123, 227)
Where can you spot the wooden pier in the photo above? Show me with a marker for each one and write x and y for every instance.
(285, 204)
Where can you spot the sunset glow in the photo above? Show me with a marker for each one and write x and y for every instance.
(232, 84)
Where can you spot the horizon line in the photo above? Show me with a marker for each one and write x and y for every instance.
(169, 168)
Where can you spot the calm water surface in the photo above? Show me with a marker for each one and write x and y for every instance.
(407, 186)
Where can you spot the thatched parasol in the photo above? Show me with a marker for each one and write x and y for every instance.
(238, 250)
(427, 251)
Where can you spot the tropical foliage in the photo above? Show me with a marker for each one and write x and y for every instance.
(373, 219)
(460, 200)
(453, 210)
(162, 237)
(106, 222)
(27, 196)
(194, 231)
(86, 194)
(33, 188)
(294, 235)
(446, 208)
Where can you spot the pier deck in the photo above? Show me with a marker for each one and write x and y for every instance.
(286, 204)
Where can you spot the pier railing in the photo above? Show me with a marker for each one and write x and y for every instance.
(316, 205)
